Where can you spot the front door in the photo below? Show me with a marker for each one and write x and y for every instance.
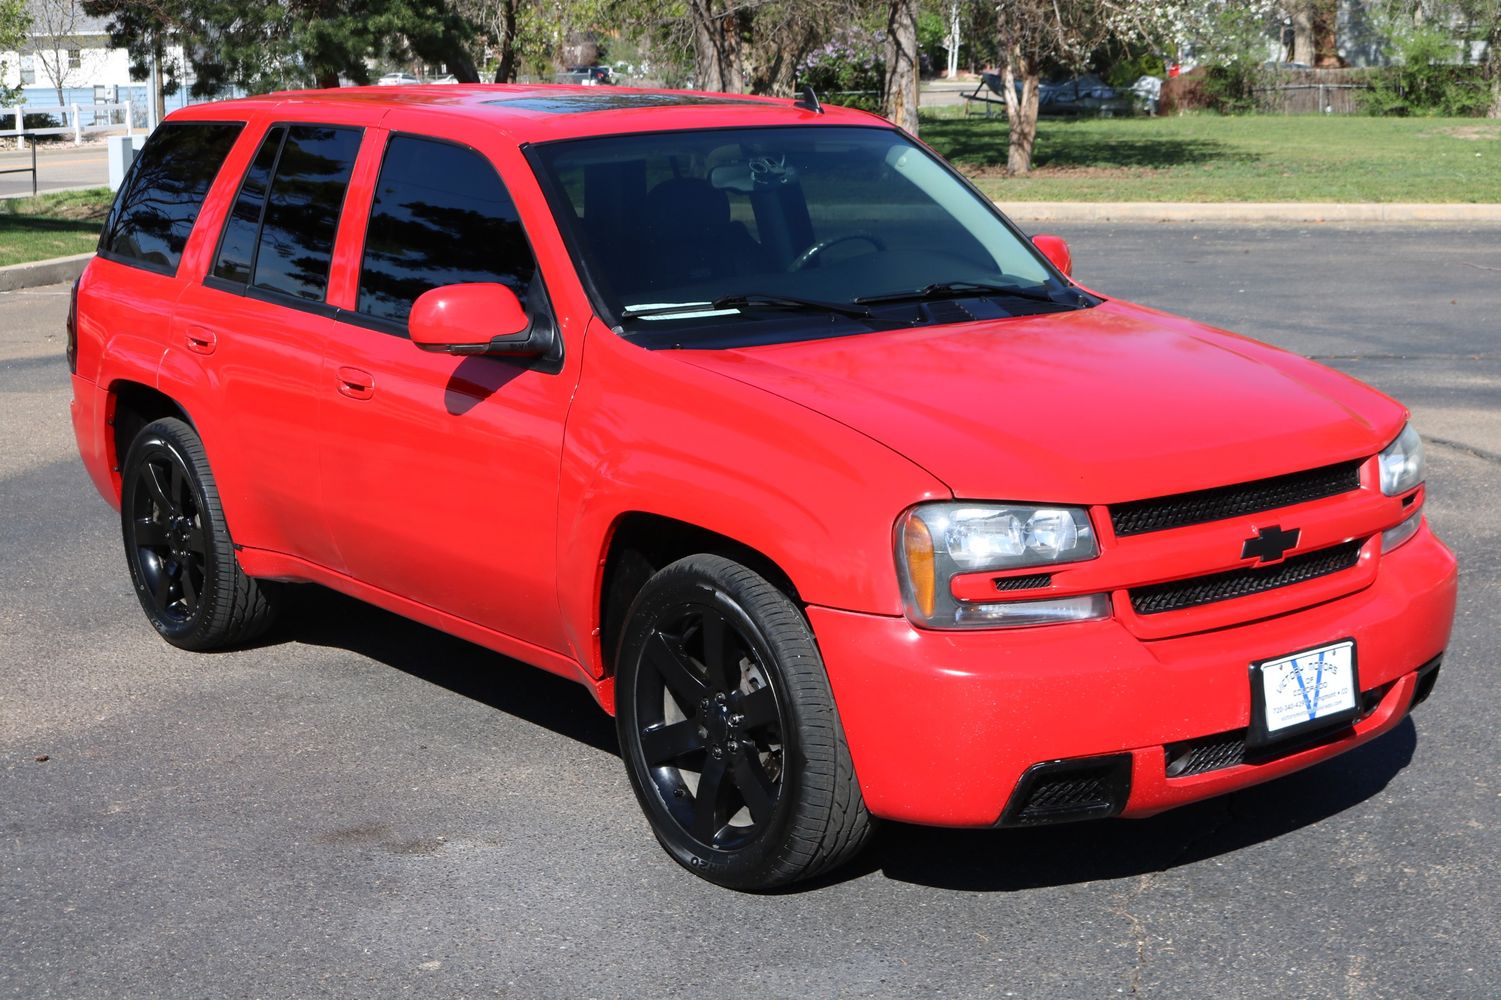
(441, 473)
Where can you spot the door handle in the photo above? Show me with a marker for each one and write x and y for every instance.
(356, 384)
(201, 339)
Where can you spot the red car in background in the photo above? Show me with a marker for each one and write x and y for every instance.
(757, 420)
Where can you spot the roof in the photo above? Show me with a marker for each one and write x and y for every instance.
(539, 112)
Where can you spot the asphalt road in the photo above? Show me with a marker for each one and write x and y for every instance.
(364, 807)
(59, 165)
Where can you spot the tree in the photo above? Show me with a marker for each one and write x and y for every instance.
(899, 95)
(1035, 36)
(55, 37)
(717, 56)
(15, 20)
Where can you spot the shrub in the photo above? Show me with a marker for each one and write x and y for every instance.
(1426, 80)
(848, 69)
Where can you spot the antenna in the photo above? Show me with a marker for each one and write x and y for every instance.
(809, 101)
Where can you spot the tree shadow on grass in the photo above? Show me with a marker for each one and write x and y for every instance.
(978, 144)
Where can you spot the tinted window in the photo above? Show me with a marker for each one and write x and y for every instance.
(302, 210)
(237, 245)
(440, 217)
(155, 211)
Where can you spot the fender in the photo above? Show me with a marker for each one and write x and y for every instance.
(648, 433)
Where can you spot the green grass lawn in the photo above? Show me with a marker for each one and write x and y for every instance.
(51, 225)
(1252, 158)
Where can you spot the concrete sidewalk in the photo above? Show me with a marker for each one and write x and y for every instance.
(1248, 211)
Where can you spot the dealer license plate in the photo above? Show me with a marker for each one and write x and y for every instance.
(1313, 689)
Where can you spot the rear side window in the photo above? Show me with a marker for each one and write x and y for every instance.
(441, 216)
(302, 210)
(155, 211)
(280, 235)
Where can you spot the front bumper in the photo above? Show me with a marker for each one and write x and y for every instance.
(942, 725)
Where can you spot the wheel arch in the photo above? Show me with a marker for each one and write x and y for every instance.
(130, 406)
(638, 544)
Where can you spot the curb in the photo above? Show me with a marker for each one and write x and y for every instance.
(43, 272)
(1247, 211)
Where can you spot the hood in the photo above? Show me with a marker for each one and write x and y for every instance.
(1108, 404)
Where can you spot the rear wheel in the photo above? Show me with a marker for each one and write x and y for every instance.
(729, 730)
(181, 559)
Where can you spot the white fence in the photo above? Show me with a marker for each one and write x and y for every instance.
(79, 119)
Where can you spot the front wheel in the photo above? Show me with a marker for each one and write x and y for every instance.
(729, 730)
(181, 558)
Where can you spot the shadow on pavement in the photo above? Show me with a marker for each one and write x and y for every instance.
(966, 860)
(321, 617)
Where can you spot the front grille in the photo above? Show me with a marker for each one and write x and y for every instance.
(1029, 582)
(1178, 594)
(1212, 753)
(1162, 513)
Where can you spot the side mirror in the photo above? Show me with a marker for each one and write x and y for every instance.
(1055, 249)
(477, 318)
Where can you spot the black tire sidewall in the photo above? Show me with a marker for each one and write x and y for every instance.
(173, 438)
(754, 865)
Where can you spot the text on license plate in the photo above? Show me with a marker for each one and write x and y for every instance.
(1308, 685)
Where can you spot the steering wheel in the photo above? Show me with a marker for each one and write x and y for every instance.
(808, 256)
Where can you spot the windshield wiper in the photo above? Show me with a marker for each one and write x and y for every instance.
(745, 300)
(960, 289)
(751, 299)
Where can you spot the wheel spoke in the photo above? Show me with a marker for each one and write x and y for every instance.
(161, 586)
(755, 786)
(189, 588)
(667, 658)
(150, 533)
(721, 652)
(157, 489)
(179, 492)
(668, 743)
(706, 804)
(759, 708)
(197, 542)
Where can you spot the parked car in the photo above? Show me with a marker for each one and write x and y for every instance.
(756, 420)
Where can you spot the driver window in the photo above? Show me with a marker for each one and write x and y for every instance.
(441, 216)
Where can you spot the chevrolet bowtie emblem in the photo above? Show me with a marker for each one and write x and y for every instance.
(1269, 544)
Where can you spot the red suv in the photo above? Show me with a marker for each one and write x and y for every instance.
(757, 420)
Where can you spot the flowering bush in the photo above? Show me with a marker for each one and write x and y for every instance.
(847, 70)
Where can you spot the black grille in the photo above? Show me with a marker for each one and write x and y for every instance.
(1212, 753)
(1180, 510)
(1031, 582)
(1178, 594)
(1061, 791)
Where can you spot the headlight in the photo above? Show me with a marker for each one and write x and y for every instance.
(1402, 463)
(938, 541)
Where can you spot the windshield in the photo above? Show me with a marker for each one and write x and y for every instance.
(717, 229)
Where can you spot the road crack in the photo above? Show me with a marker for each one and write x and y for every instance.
(1124, 906)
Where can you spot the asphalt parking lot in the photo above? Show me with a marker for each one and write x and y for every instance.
(363, 807)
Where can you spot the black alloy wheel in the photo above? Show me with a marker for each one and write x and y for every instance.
(181, 558)
(729, 731)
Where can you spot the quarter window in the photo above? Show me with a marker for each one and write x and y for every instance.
(441, 216)
(237, 245)
(155, 211)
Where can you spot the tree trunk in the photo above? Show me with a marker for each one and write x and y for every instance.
(327, 79)
(1303, 41)
(716, 48)
(1495, 111)
(900, 85)
(1021, 111)
(506, 71)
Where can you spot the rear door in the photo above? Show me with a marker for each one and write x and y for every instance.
(442, 472)
(259, 322)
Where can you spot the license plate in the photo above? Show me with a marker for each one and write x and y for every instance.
(1300, 692)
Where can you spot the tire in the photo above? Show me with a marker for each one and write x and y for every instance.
(729, 730)
(181, 558)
